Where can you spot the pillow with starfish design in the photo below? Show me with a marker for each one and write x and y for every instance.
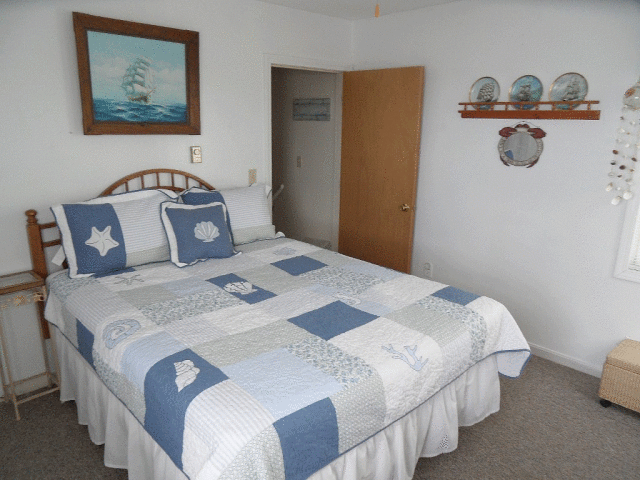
(115, 232)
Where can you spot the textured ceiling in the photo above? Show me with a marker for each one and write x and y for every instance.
(356, 9)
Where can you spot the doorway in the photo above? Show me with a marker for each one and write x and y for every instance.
(363, 196)
(306, 122)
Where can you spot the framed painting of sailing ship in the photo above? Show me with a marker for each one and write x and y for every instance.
(137, 79)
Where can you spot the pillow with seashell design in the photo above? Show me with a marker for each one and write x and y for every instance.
(202, 196)
(196, 232)
(248, 208)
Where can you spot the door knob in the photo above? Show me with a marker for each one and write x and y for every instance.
(404, 207)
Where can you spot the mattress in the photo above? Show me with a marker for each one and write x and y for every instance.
(285, 361)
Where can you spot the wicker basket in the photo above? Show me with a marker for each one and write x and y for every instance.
(620, 383)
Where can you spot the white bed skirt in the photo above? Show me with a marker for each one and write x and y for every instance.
(429, 430)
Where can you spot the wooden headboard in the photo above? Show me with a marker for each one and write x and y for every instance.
(40, 234)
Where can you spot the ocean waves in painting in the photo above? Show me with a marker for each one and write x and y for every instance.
(113, 111)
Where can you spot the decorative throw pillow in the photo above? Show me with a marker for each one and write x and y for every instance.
(114, 232)
(248, 208)
(202, 196)
(196, 232)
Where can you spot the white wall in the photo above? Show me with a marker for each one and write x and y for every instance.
(542, 240)
(45, 158)
(307, 208)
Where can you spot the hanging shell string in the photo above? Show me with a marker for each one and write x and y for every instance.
(625, 156)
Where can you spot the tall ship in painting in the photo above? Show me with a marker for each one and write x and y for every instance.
(138, 82)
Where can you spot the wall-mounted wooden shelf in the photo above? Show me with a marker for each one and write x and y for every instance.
(540, 110)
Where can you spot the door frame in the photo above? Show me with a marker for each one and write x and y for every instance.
(298, 63)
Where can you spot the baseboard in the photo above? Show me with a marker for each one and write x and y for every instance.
(594, 370)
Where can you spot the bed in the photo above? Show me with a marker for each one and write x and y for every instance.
(198, 343)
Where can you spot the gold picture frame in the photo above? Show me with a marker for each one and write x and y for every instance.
(121, 90)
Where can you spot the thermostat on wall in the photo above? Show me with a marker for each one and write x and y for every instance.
(196, 155)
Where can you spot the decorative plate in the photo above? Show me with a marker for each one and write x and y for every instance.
(526, 89)
(567, 87)
(486, 89)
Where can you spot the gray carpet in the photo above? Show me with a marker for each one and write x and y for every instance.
(550, 426)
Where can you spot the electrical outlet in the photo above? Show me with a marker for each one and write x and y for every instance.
(253, 174)
(427, 270)
(196, 155)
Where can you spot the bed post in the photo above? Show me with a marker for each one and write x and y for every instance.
(38, 261)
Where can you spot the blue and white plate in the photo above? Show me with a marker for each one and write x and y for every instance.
(568, 87)
(526, 89)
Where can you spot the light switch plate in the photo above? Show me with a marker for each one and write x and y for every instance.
(196, 155)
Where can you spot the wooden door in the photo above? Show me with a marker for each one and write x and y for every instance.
(381, 127)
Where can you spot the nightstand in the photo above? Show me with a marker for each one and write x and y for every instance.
(31, 288)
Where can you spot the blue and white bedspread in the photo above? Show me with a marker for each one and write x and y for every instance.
(273, 363)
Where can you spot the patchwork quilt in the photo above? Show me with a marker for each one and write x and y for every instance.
(272, 363)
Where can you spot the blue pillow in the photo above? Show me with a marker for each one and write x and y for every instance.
(201, 196)
(114, 232)
(196, 232)
(247, 207)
